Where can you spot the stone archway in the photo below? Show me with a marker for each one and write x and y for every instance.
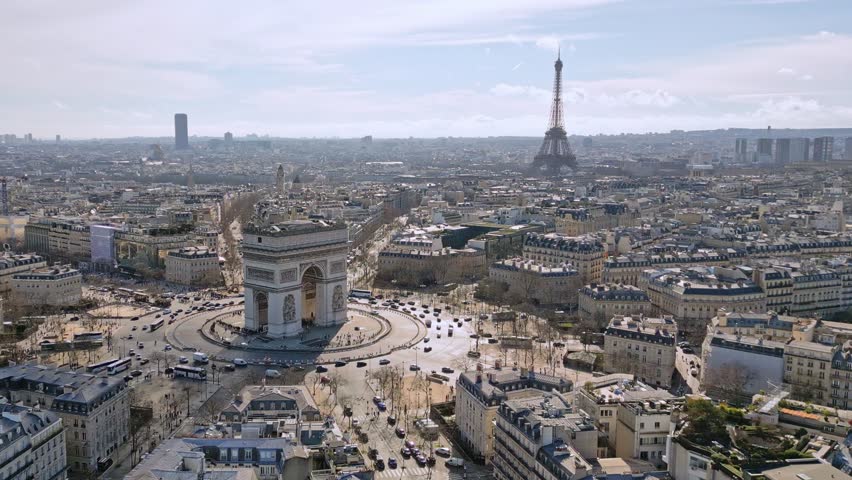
(311, 295)
(261, 302)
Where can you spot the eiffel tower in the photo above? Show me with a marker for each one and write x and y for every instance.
(555, 152)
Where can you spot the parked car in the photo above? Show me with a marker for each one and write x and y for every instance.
(447, 370)
(240, 362)
(391, 462)
(183, 359)
(340, 364)
(391, 420)
(455, 462)
(361, 364)
(384, 361)
(400, 431)
(321, 369)
(443, 451)
(273, 373)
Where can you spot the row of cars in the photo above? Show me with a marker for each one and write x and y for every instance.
(409, 449)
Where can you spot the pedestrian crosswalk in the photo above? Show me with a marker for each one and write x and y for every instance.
(417, 472)
(423, 473)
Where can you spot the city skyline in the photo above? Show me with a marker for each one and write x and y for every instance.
(477, 69)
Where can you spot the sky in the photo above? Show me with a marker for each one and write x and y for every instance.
(421, 68)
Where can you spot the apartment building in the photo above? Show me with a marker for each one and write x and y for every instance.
(628, 268)
(32, 444)
(12, 264)
(425, 266)
(631, 434)
(193, 266)
(736, 367)
(807, 370)
(642, 346)
(259, 402)
(585, 253)
(694, 295)
(604, 301)
(539, 438)
(543, 285)
(480, 393)
(58, 286)
(768, 326)
(95, 411)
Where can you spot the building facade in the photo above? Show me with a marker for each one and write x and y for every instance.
(604, 301)
(95, 411)
(58, 286)
(642, 346)
(537, 283)
(193, 266)
(33, 444)
(584, 253)
(480, 393)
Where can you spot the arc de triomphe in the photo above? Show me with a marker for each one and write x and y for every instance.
(294, 273)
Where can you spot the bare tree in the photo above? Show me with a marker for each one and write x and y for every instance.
(729, 382)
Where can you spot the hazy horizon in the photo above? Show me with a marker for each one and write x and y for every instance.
(437, 69)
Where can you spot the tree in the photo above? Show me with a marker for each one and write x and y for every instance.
(141, 416)
(729, 382)
(706, 423)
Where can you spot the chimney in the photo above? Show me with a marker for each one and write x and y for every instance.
(67, 388)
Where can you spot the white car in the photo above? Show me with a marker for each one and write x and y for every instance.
(443, 451)
(240, 362)
(455, 462)
(183, 359)
(273, 373)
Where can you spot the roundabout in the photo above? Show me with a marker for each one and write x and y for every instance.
(369, 332)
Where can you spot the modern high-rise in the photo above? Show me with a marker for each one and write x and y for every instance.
(181, 131)
(229, 138)
(740, 150)
(847, 154)
(764, 150)
(823, 149)
(789, 150)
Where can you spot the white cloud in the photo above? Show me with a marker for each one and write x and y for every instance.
(786, 71)
(506, 90)
(60, 106)
(549, 42)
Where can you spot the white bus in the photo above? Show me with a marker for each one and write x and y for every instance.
(156, 324)
(195, 373)
(119, 366)
(100, 366)
(355, 293)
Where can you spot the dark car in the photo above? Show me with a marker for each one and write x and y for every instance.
(321, 369)
(373, 453)
(361, 364)
(340, 364)
(391, 420)
(391, 463)
(427, 349)
(136, 373)
(380, 464)
(447, 370)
